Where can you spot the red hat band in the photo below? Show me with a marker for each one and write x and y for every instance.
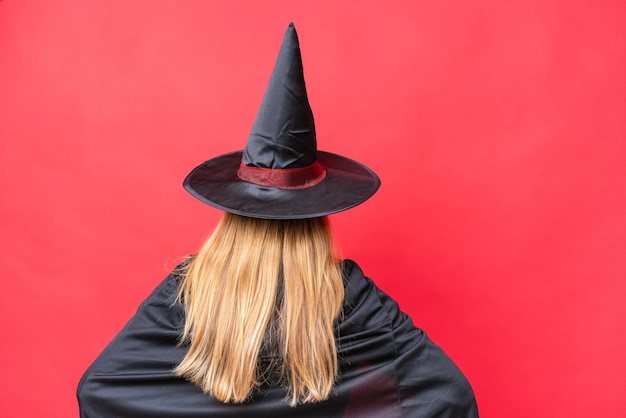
(284, 178)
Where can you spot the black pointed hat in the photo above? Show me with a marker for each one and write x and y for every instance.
(281, 174)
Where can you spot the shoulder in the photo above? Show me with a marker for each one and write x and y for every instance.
(427, 381)
(143, 352)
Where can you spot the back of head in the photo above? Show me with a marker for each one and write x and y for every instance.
(263, 285)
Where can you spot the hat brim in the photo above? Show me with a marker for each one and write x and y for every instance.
(347, 184)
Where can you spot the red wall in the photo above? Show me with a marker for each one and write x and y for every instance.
(498, 128)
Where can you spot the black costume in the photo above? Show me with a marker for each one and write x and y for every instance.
(388, 368)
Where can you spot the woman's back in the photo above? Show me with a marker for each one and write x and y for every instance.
(387, 367)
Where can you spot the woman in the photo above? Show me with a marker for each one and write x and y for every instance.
(265, 320)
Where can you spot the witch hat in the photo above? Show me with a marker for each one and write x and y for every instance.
(281, 174)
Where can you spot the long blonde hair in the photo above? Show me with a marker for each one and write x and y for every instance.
(263, 285)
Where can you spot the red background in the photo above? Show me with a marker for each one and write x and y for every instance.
(497, 127)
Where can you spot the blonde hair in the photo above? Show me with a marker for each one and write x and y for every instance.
(259, 285)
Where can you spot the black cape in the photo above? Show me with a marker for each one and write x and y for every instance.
(388, 367)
